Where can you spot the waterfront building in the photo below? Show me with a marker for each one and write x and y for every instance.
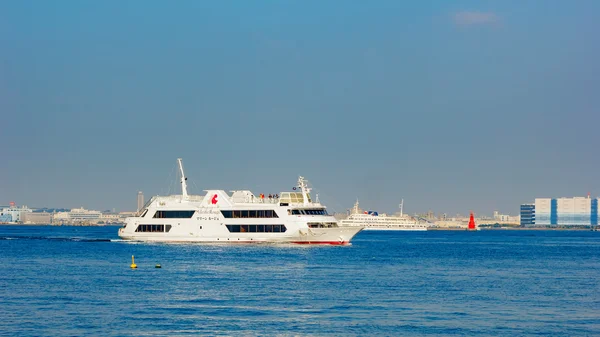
(454, 223)
(37, 218)
(127, 214)
(77, 216)
(576, 211)
(499, 219)
(110, 218)
(81, 214)
(5, 218)
(13, 214)
(527, 215)
(61, 217)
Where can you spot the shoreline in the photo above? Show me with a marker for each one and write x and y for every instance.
(432, 229)
(514, 229)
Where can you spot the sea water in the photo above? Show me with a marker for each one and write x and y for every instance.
(73, 281)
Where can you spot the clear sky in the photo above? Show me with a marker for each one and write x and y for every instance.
(451, 105)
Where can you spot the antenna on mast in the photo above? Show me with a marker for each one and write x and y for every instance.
(355, 209)
(401, 207)
(184, 193)
(304, 188)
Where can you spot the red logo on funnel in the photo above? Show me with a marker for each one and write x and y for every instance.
(214, 199)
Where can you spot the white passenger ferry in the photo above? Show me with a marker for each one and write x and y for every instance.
(291, 217)
(371, 220)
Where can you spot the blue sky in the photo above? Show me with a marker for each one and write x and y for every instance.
(453, 106)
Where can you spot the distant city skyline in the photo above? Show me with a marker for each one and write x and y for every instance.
(451, 106)
(496, 214)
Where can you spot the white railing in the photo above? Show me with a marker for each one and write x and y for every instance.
(301, 204)
(266, 200)
(180, 197)
(255, 200)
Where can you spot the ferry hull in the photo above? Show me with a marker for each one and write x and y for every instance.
(319, 236)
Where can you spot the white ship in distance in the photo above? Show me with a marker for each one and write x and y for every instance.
(239, 217)
(371, 220)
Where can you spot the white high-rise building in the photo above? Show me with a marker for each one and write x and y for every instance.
(140, 201)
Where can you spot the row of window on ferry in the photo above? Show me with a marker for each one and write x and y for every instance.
(231, 228)
(318, 211)
(256, 228)
(227, 214)
(153, 228)
(322, 224)
(264, 213)
(267, 213)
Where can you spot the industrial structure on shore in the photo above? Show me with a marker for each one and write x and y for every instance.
(24, 215)
(14, 214)
(560, 212)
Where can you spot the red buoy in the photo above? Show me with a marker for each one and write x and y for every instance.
(471, 223)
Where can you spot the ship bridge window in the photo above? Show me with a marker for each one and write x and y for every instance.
(256, 228)
(152, 228)
(293, 197)
(264, 213)
(322, 224)
(174, 214)
(317, 211)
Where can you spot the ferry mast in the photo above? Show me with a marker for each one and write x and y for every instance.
(184, 194)
(304, 188)
(401, 208)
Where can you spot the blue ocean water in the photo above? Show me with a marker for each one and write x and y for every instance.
(73, 281)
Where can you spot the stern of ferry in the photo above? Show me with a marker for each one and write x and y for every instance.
(127, 232)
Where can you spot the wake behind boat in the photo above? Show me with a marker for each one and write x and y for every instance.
(242, 217)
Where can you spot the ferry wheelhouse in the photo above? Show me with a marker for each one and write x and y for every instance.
(238, 217)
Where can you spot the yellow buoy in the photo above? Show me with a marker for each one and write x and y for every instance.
(133, 265)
